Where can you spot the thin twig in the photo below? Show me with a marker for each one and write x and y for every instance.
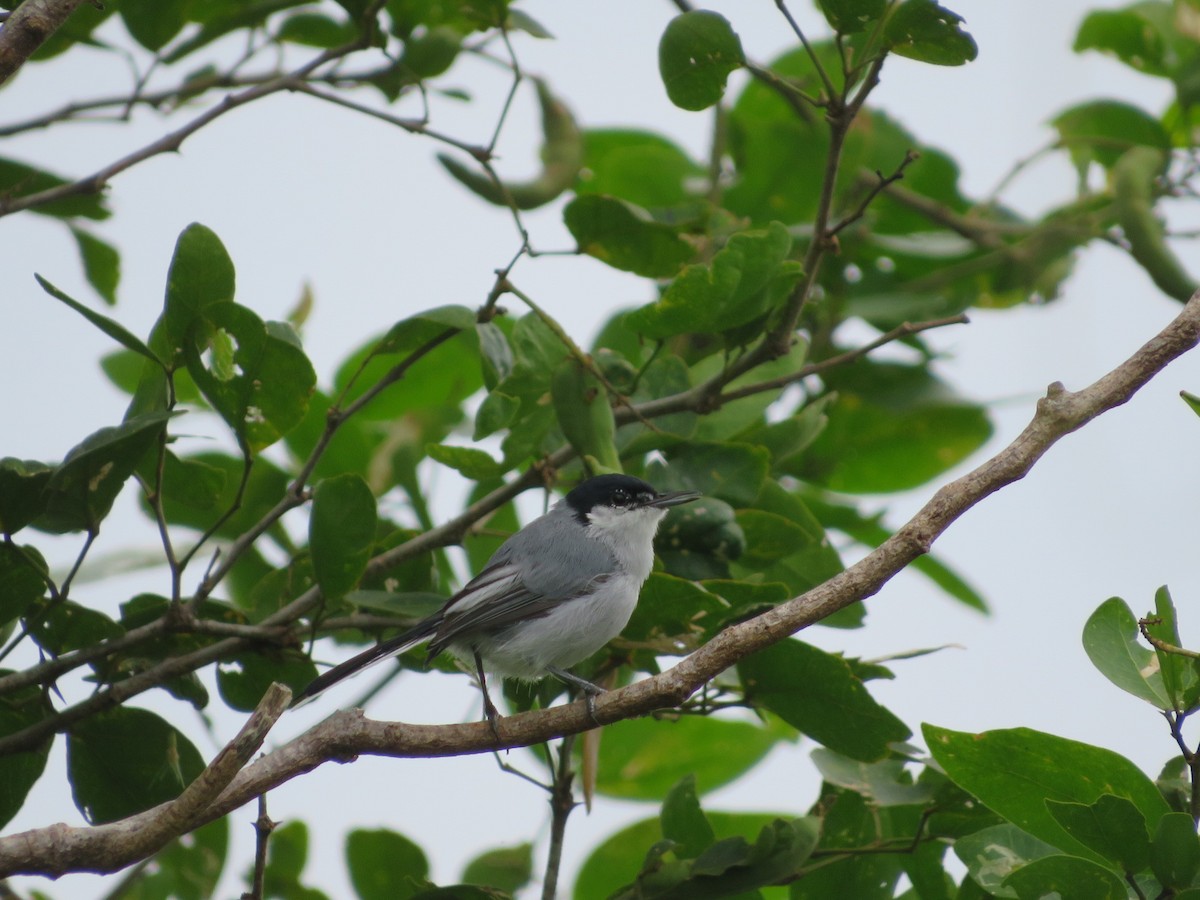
(562, 802)
(830, 90)
(263, 826)
(881, 182)
(174, 139)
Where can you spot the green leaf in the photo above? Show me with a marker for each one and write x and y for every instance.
(778, 156)
(153, 23)
(714, 297)
(1068, 878)
(891, 428)
(23, 574)
(472, 463)
(730, 471)
(186, 869)
(640, 759)
(884, 783)
(639, 167)
(316, 30)
(1102, 130)
(286, 854)
(495, 353)
(683, 821)
(101, 264)
(433, 52)
(1015, 771)
(1112, 826)
(265, 485)
(818, 693)
(113, 329)
(341, 532)
(506, 868)
(385, 865)
(437, 383)
(123, 761)
(615, 862)
(850, 823)
(1192, 401)
(416, 331)
(201, 275)
(852, 16)
(625, 237)
(1111, 641)
(1139, 36)
(993, 853)
(769, 537)
(244, 679)
(1180, 674)
(584, 413)
(697, 52)
(219, 19)
(673, 610)
(1175, 853)
(68, 626)
(19, 180)
(261, 387)
(497, 411)
(81, 491)
(22, 483)
(22, 709)
(928, 32)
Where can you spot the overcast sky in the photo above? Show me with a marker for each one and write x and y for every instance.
(301, 192)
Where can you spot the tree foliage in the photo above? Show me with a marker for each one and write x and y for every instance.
(734, 376)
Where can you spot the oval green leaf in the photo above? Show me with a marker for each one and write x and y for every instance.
(125, 760)
(385, 865)
(926, 31)
(642, 759)
(1111, 641)
(818, 693)
(625, 237)
(341, 532)
(1015, 771)
(1068, 878)
(697, 52)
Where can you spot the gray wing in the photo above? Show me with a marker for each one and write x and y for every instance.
(533, 572)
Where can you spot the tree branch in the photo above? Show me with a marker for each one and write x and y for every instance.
(111, 847)
(174, 140)
(27, 28)
(348, 734)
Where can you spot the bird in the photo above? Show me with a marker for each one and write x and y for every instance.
(553, 594)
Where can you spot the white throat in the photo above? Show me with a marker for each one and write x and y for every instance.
(629, 534)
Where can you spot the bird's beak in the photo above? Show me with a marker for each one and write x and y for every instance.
(673, 498)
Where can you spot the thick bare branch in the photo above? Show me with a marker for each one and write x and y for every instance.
(348, 734)
(27, 28)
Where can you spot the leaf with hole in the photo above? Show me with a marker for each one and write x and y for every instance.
(625, 237)
(81, 491)
(696, 53)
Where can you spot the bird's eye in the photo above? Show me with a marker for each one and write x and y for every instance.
(621, 497)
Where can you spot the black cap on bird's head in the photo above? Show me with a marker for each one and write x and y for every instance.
(622, 492)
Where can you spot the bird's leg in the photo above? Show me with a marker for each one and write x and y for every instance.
(590, 691)
(489, 708)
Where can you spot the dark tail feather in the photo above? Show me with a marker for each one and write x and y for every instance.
(356, 664)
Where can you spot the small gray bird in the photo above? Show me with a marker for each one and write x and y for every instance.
(553, 594)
